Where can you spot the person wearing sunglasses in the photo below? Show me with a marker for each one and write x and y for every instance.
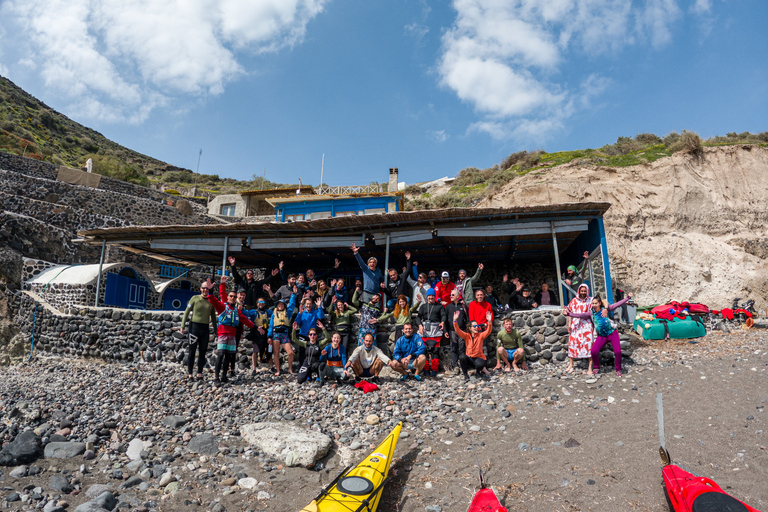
(475, 355)
(312, 352)
(203, 313)
(229, 318)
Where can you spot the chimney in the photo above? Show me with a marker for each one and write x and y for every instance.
(392, 179)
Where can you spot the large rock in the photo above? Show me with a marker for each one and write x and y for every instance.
(204, 443)
(63, 450)
(175, 421)
(290, 444)
(105, 501)
(134, 450)
(23, 449)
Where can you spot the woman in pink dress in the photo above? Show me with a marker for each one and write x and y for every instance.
(580, 335)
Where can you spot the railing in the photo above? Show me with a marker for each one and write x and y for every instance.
(359, 189)
(172, 272)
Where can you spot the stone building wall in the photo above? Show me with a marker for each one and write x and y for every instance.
(124, 335)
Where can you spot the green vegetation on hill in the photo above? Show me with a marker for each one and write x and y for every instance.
(31, 128)
(473, 185)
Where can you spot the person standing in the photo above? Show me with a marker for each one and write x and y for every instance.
(203, 313)
(479, 308)
(604, 330)
(432, 320)
(369, 315)
(546, 297)
(579, 329)
(372, 276)
(458, 347)
(253, 288)
(465, 284)
(475, 356)
(229, 318)
(341, 317)
(278, 333)
(444, 288)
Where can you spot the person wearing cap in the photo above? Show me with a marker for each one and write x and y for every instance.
(523, 301)
(278, 333)
(367, 360)
(444, 288)
(252, 287)
(372, 276)
(409, 353)
(431, 324)
(477, 309)
(228, 319)
(203, 313)
(465, 284)
(574, 276)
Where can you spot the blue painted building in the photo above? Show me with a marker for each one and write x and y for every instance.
(312, 207)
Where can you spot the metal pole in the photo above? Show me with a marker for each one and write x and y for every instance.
(98, 277)
(557, 263)
(322, 169)
(224, 259)
(386, 262)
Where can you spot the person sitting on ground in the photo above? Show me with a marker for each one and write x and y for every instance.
(369, 315)
(432, 320)
(465, 284)
(574, 276)
(510, 348)
(409, 353)
(367, 360)
(333, 359)
(278, 334)
(312, 349)
(475, 355)
(397, 284)
(341, 317)
(253, 288)
(477, 309)
(604, 330)
(419, 285)
(203, 313)
(228, 319)
(444, 288)
(523, 301)
(457, 342)
(402, 313)
(372, 276)
(546, 297)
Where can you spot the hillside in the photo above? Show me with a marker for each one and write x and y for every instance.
(690, 226)
(31, 128)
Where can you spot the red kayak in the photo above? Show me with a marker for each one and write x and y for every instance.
(485, 500)
(687, 492)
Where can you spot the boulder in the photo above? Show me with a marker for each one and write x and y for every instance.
(23, 449)
(105, 501)
(64, 450)
(288, 443)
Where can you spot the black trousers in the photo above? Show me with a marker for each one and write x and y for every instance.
(259, 343)
(467, 363)
(202, 333)
(306, 372)
(458, 347)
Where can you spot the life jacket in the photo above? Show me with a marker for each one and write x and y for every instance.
(262, 319)
(280, 321)
(334, 357)
(229, 316)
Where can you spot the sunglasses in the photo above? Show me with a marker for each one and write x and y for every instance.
(231, 295)
(313, 334)
(474, 325)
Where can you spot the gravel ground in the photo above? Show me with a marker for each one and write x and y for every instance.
(545, 440)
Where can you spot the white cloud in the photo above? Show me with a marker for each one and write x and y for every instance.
(417, 30)
(504, 58)
(119, 60)
(702, 6)
(438, 136)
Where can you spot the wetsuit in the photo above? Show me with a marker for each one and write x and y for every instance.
(203, 313)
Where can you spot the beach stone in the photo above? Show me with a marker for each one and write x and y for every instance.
(96, 490)
(24, 448)
(135, 447)
(60, 483)
(279, 440)
(172, 487)
(19, 471)
(247, 483)
(64, 450)
(166, 479)
(104, 501)
(204, 444)
(175, 421)
(372, 419)
(131, 482)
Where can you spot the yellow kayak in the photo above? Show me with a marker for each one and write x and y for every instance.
(358, 488)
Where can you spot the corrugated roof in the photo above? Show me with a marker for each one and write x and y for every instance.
(287, 190)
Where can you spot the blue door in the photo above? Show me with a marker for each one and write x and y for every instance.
(176, 300)
(124, 292)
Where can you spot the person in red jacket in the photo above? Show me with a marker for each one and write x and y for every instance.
(444, 288)
(229, 318)
(478, 309)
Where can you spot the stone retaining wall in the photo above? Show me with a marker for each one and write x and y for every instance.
(125, 335)
(49, 171)
(59, 215)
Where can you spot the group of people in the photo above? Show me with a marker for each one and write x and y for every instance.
(310, 317)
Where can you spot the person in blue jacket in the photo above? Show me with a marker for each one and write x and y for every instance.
(409, 353)
(372, 276)
(333, 359)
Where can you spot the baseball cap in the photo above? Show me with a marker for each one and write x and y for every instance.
(445, 274)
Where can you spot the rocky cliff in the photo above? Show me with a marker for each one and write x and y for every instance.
(687, 227)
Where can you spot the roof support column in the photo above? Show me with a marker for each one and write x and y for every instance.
(557, 263)
(224, 259)
(386, 264)
(98, 277)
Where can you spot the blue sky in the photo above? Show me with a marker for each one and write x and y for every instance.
(429, 87)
